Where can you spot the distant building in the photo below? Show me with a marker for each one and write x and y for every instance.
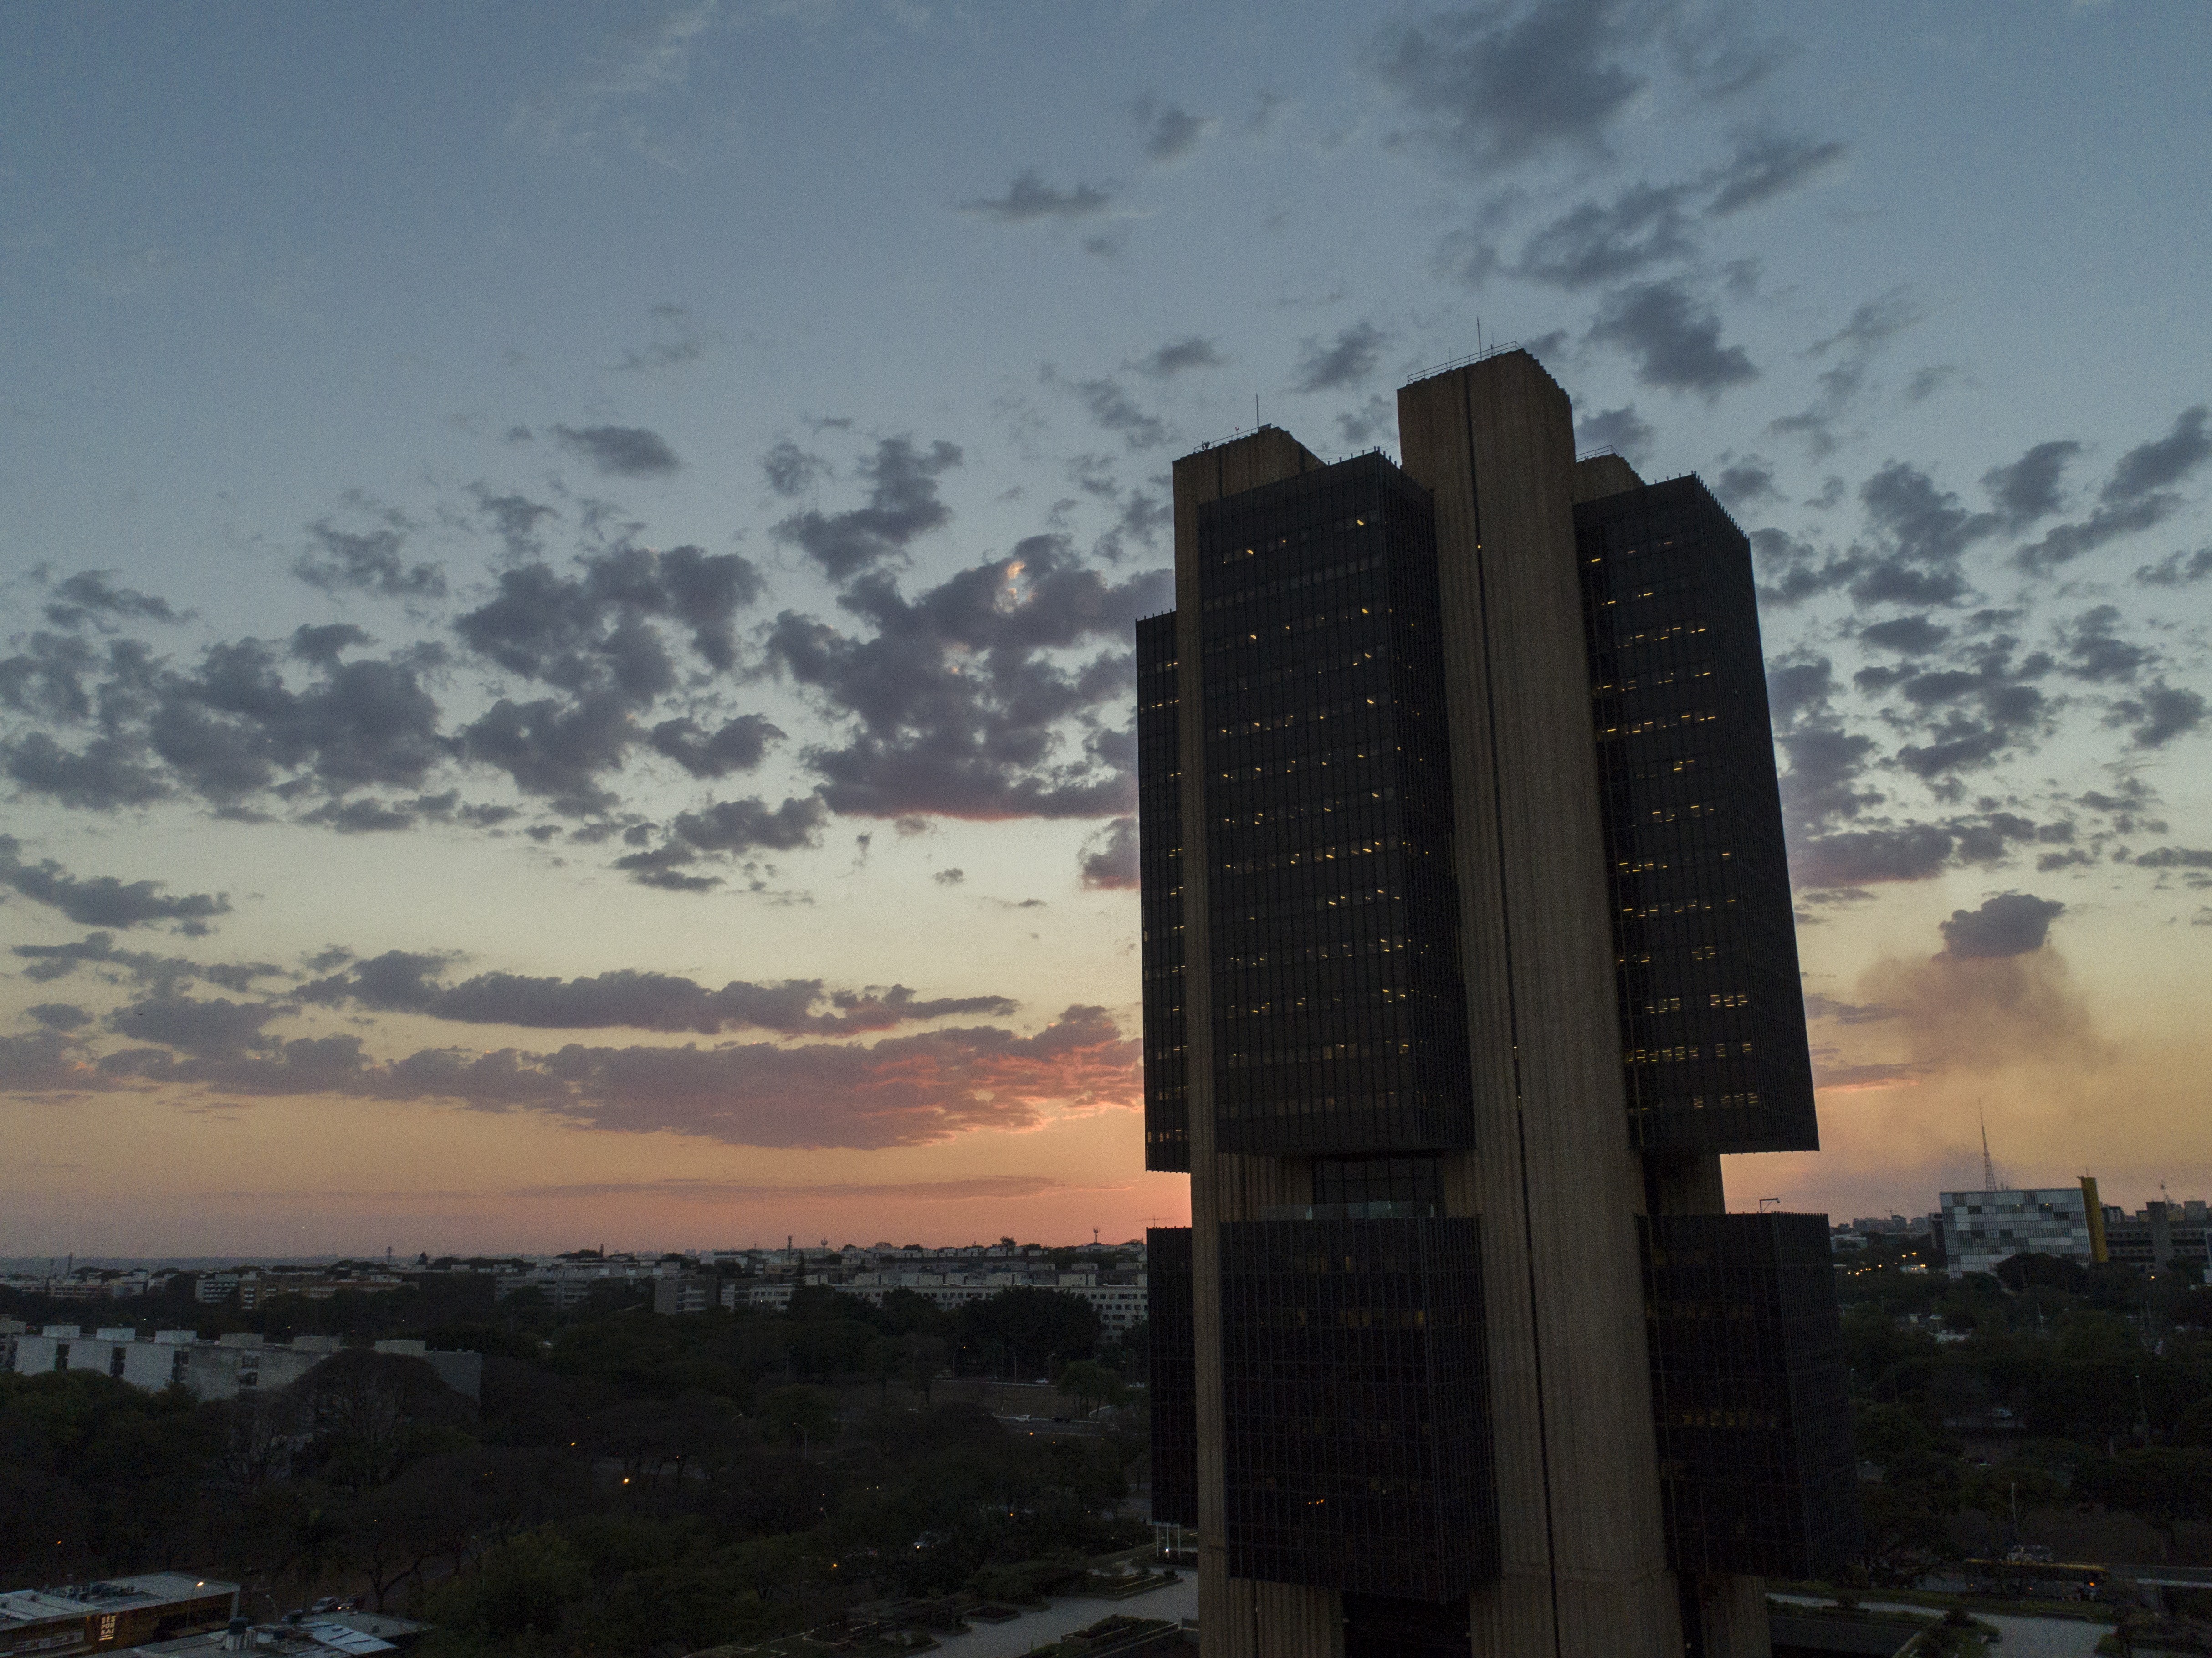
(111, 1615)
(1983, 1230)
(355, 1634)
(229, 1367)
(689, 1292)
(2160, 1237)
(252, 1288)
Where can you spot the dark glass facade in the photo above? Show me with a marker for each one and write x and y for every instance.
(1159, 869)
(1751, 1393)
(1172, 1393)
(1354, 1378)
(1386, 1626)
(1339, 1021)
(1712, 1013)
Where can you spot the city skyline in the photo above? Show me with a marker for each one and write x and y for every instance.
(565, 644)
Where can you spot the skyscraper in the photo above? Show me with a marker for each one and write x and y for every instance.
(1467, 950)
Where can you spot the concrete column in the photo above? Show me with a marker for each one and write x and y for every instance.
(1232, 1612)
(1557, 1186)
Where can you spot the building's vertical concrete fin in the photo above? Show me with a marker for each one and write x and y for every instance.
(1220, 1188)
(1583, 1554)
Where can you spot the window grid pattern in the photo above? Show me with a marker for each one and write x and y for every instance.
(1339, 1020)
(1172, 1395)
(1712, 1013)
(1750, 1394)
(1357, 1421)
(1159, 872)
(1355, 1188)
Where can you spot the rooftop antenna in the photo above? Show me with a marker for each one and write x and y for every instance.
(1988, 1168)
(1255, 411)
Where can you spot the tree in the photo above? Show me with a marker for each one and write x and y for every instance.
(920, 1357)
(1090, 1384)
(798, 1416)
(1033, 1329)
(368, 1412)
(2031, 1270)
(2163, 1488)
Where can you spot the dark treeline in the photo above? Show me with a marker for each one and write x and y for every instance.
(629, 1483)
(2079, 1390)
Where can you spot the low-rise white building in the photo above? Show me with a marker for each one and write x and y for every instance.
(228, 1367)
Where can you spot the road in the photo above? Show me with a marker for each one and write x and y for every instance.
(2024, 1638)
(1033, 1628)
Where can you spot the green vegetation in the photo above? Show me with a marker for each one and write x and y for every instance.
(2055, 1387)
(629, 1483)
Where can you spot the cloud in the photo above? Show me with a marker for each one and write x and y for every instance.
(645, 62)
(960, 701)
(102, 899)
(1347, 361)
(991, 1188)
(950, 877)
(2095, 651)
(514, 520)
(555, 749)
(2136, 496)
(903, 506)
(366, 561)
(1373, 423)
(1029, 199)
(1109, 857)
(790, 470)
(2030, 488)
(1927, 380)
(725, 828)
(237, 724)
(1172, 133)
(2191, 858)
(748, 825)
(1498, 85)
(1191, 351)
(2177, 569)
(1827, 859)
(1827, 1007)
(2010, 924)
(738, 744)
(1986, 1014)
(46, 679)
(2163, 461)
(1674, 338)
(1921, 533)
(1115, 411)
(913, 1089)
(629, 452)
(216, 1028)
(679, 340)
(1602, 242)
(1767, 165)
(402, 982)
(1622, 430)
(593, 632)
(42, 1062)
(1914, 635)
(89, 596)
(1745, 481)
(2158, 714)
(1853, 347)
(167, 975)
(58, 1016)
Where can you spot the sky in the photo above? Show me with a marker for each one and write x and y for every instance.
(567, 570)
